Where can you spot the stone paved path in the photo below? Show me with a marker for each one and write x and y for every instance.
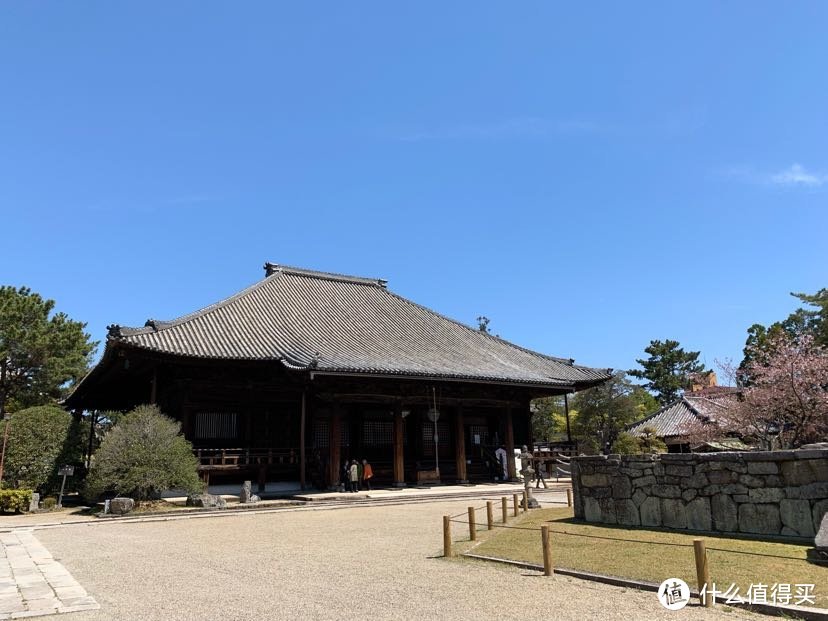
(32, 583)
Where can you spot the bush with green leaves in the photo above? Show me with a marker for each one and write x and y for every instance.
(650, 442)
(41, 440)
(15, 500)
(143, 455)
(626, 444)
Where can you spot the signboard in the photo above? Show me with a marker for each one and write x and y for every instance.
(66, 471)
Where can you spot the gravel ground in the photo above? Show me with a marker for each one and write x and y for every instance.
(362, 563)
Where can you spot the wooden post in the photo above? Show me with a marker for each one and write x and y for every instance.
(568, 496)
(548, 570)
(525, 501)
(446, 536)
(489, 515)
(702, 573)
(460, 446)
(472, 525)
(302, 421)
(504, 507)
(515, 503)
(335, 443)
(399, 461)
(154, 386)
(510, 445)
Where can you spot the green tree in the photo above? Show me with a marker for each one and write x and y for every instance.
(650, 442)
(40, 351)
(626, 444)
(817, 319)
(548, 418)
(41, 439)
(604, 411)
(143, 455)
(668, 369)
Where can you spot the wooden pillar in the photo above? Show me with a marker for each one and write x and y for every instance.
(302, 424)
(154, 386)
(399, 459)
(335, 444)
(93, 419)
(460, 445)
(510, 445)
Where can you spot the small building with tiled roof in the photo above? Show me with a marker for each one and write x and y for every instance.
(304, 369)
(675, 421)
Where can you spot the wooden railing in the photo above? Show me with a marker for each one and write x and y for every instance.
(230, 458)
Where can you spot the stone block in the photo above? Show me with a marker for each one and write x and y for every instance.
(698, 514)
(740, 498)
(722, 477)
(766, 494)
(208, 501)
(696, 481)
(621, 487)
(650, 512)
(642, 481)
(34, 502)
(734, 488)
(814, 491)
(592, 510)
(638, 497)
(595, 480)
(760, 519)
(724, 512)
(762, 467)
(803, 472)
(608, 511)
(121, 506)
(821, 539)
(666, 491)
(796, 515)
(689, 494)
(673, 513)
(819, 511)
(678, 471)
(626, 513)
(752, 481)
(710, 490)
(601, 492)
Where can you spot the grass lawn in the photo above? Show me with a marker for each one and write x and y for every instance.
(653, 563)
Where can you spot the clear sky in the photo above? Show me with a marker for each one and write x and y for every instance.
(590, 177)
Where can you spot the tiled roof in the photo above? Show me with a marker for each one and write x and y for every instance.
(333, 323)
(673, 419)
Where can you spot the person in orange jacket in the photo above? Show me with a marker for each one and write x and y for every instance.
(367, 474)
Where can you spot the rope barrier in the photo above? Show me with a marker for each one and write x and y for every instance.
(790, 558)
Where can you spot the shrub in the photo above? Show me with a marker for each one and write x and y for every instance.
(15, 500)
(626, 444)
(650, 442)
(48, 503)
(41, 439)
(142, 456)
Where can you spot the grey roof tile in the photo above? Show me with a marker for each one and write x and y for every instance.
(341, 324)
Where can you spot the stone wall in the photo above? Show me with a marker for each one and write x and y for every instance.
(772, 493)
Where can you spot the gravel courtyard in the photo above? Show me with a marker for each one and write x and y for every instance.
(363, 563)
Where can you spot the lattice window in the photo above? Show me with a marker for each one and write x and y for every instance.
(478, 435)
(428, 437)
(322, 433)
(216, 426)
(378, 433)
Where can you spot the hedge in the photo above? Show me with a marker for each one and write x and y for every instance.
(15, 500)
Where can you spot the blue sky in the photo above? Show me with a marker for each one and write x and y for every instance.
(589, 177)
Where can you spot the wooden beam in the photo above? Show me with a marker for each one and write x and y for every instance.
(460, 445)
(399, 458)
(510, 445)
(302, 420)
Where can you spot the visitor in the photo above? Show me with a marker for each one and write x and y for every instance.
(367, 474)
(354, 476)
(345, 483)
(540, 475)
(501, 458)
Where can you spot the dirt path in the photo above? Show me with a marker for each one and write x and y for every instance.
(362, 563)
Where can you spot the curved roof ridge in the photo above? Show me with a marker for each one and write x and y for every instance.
(274, 268)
